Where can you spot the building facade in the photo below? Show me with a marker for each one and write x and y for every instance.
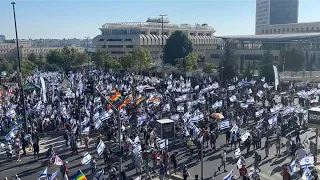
(9, 50)
(120, 38)
(308, 27)
(271, 12)
(250, 48)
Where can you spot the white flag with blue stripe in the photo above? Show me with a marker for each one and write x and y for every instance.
(53, 175)
(100, 148)
(99, 175)
(44, 173)
(229, 176)
(306, 174)
(86, 159)
(292, 168)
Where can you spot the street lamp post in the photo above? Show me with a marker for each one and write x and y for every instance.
(162, 39)
(119, 128)
(20, 69)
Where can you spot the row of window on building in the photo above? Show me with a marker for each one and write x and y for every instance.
(5, 46)
(270, 31)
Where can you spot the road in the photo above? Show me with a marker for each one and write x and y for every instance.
(29, 169)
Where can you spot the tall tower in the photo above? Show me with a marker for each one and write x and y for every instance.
(269, 12)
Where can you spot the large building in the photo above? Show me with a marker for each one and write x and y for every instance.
(251, 48)
(307, 27)
(8, 49)
(271, 12)
(121, 38)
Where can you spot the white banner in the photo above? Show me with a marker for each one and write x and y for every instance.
(276, 77)
(245, 136)
(43, 90)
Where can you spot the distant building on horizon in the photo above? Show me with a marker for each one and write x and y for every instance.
(275, 12)
(8, 49)
(2, 38)
(120, 38)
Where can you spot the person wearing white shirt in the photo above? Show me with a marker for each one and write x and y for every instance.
(223, 160)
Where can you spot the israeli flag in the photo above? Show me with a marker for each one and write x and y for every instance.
(141, 119)
(180, 108)
(292, 168)
(229, 176)
(306, 174)
(174, 117)
(99, 175)
(53, 175)
(86, 159)
(100, 148)
(43, 174)
(224, 124)
(307, 161)
(166, 108)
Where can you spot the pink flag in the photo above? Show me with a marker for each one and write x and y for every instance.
(58, 161)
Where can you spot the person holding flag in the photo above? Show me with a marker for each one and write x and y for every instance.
(285, 174)
(243, 172)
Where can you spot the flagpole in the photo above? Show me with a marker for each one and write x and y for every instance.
(119, 128)
(202, 158)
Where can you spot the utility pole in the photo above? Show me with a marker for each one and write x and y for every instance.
(20, 70)
(88, 53)
(162, 39)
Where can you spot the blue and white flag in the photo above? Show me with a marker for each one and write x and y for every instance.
(224, 124)
(99, 175)
(229, 176)
(100, 148)
(43, 174)
(292, 168)
(53, 175)
(306, 174)
(86, 159)
(141, 119)
(307, 161)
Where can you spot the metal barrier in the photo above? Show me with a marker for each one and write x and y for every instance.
(300, 76)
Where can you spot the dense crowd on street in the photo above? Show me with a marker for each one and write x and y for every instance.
(203, 108)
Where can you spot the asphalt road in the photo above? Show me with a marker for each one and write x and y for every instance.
(29, 168)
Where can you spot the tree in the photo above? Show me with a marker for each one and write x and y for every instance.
(127, 61)
(249, 71)
(266, 66)
(5, 65)
(189, 63)
(100, 58)
(209, 67)
(228, 64)
(141, 58)
(114, 63)
(55, 57)
(67, 59)
(27, 67)
(294, 60)
(177, 46)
